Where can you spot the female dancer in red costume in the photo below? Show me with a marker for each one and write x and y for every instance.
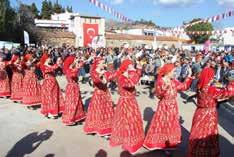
(127, 125)
(203, 141)
(17, 79)
(5, 90)
(31, 95)
(165, 130)
(51, 96)
(74, 110)
(100, 112)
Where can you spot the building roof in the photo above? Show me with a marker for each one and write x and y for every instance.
(118, 36)
(93, 17)
(57, 34)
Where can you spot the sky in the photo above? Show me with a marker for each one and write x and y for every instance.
(166, 13)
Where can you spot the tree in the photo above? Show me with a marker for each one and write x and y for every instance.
(4, 6)
(26, 22)
(69, 9)
(145, 22)
(46, 9)
(51, 11)
(199, 27)
(57, 8)
(34, 10)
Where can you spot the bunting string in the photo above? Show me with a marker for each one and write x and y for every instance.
(213, 18)
(215, 32)
(110, 10)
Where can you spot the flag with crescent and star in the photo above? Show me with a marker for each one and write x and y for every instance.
(90, 31)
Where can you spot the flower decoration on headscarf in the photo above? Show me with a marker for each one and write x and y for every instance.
(206, 76)
(167, 68)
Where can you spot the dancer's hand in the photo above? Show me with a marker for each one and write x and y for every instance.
(125, 74)
(139, 66)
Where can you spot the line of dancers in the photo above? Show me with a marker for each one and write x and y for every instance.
(123, 124)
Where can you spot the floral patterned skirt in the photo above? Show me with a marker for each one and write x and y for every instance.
(4, 84)
(100, 114)
(17, 86)
(74, 109)
(127, 128)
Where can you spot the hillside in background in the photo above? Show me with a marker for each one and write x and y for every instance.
(113, 25)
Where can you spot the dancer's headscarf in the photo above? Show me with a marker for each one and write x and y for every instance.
(124, 66)
(167, 68)
(206, 76)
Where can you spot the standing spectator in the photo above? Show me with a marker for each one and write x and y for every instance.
(184, 69)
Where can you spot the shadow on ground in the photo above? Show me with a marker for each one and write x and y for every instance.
(29, 144)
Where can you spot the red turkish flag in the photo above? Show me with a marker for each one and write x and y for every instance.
(90, 31)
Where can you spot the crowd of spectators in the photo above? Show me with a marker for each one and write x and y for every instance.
(151, 60)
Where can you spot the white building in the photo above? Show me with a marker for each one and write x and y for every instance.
(73, 22)
(157, 32)
(228, 37)
(137, 31)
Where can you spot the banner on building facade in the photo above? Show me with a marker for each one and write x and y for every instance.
(90, 32)
(26, 38)
(98, 41)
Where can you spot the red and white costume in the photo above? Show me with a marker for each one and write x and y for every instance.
(203, 140)
(74, 109)
(51, 96)
(127, 125)
(17, 79)
(100, 112)
(5, 89)
(165, 130)
(31, 88)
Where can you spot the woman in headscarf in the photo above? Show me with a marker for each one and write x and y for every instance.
(5, 90)
(165, 131)
(17, 79)
(203, 140)
(31, 87)
(100, 111)
(51, 96)
(127, 125)
(74, 110)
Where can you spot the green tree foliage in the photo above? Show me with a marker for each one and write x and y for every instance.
(69, 9)
(26, 21)
(34, 10)
(57, 8)
(14, 21)
(8, 21)
(4, 8)
(145, 22)
(46, 9)
(199, 27)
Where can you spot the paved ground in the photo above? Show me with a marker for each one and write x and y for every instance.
(25, 132)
